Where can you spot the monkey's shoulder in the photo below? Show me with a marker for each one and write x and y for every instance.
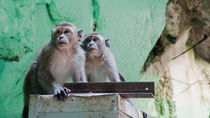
(107, 54)
(45, 53)
(79, 53)
(108, 58)
(31, 70)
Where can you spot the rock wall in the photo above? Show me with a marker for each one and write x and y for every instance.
(182, 62)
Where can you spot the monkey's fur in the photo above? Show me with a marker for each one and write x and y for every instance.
(100, 65)
(59, 60)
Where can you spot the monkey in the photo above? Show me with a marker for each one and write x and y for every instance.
(59, 60)
(100, 65)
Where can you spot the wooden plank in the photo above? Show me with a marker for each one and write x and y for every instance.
(125, 89)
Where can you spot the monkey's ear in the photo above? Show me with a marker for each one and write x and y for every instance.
(52, 31)
(107, 42)
(80, 33)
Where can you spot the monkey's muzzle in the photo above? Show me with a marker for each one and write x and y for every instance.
(92, 50)
(62, 43)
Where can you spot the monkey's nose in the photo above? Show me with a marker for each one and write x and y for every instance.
(61, 37)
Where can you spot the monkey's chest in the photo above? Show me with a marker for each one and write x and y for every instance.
(61, 69)
(98, 75)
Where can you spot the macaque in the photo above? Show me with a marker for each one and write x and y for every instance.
(100, 65)
(59, 60)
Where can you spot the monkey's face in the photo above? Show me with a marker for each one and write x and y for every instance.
(64, 37)
(93, 45)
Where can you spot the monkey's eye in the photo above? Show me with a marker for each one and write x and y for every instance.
(87, 40)
(58, 32)
(95, 39)
(66, 31)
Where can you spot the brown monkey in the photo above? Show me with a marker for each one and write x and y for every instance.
(60, 59)
(100, 63)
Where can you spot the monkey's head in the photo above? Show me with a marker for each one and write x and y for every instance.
(94, 44)
(65, 35)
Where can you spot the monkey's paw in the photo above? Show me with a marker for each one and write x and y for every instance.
(62, 93)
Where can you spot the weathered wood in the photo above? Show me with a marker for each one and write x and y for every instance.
(125, 89)
(82, 106)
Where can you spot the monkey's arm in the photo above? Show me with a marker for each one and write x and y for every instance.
(79, 75)
(112, 73)
(79, 69)
(51, 86)
(44, 75)
(111, 67)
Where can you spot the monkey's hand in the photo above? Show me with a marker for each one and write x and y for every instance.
(62, 93)
(81, 81)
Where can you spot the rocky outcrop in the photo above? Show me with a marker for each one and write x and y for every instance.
(184, 72)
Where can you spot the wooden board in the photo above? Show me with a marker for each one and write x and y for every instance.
(125, 89)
